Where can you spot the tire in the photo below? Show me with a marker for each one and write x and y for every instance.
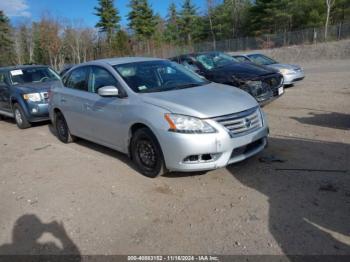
(20, 118)
(147, 154)
(62, 130)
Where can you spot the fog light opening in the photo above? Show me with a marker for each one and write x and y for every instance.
(206, 157)
(192, 158)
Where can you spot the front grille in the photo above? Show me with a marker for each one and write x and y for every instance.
(241, 123)
(45, 96)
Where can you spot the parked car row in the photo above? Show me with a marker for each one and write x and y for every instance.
(291, 73)
(263, 83)
(164, 116)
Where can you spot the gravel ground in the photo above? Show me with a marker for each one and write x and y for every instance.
(57, 198)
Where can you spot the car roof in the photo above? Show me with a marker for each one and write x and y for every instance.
(248, 54)
(21, 67)
(122, 60)
(195, 54)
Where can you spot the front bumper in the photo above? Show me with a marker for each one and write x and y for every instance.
(37, 112)
(293, 77)
(221, 146)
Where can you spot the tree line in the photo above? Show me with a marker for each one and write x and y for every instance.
(57, 41)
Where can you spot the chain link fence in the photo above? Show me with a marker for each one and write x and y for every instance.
(301, 37)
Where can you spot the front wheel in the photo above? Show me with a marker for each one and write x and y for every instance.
(20, 118)
(62, 129)
(147, 154)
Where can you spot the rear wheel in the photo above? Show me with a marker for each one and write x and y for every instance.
(147, 154)
(62, 129)
(20, 118)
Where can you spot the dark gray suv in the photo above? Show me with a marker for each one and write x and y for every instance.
(24, 93)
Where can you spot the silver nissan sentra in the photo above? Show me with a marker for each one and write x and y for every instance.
(165, 117)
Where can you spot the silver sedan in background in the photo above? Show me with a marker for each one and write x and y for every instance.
(291, 73)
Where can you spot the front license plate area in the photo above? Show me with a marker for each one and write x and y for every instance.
(280, 90)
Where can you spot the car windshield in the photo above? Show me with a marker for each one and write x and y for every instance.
(214, 60)
(158, 76)
(262, 60)
(33, 75)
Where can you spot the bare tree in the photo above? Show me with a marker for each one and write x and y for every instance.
(210, 5)
(88, 38)
(50, 39)
(329, 4)
(17, 47)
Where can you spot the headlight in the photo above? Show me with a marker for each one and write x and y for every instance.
(262, 114)
(34, 97)
(256, 84)
(188, 124)
(285, 71)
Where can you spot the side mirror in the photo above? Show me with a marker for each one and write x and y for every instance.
(108, 91)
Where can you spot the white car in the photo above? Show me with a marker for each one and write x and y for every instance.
(291, 73)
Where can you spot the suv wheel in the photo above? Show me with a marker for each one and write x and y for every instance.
(20, 118)
(147, 154)
(62, 129)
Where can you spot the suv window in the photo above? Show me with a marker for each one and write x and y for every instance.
(3, 79)
(78, 79)
(100, 77)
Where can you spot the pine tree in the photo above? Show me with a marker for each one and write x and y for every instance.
(109, 18)
(38, 52)
(6, 44)
(121, 44)
(172, 25)
(188, 17)
(141, 19)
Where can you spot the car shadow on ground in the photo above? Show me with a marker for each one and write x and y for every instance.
(308, 210)
(26, 234)
(332, 120)
(184, 174)
(11, 121)
(123, 157)
(101, 149)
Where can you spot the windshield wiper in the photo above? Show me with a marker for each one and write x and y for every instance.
(188, 85)
(162, 89)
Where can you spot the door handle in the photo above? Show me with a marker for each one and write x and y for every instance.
(87, 106)
(97, 108)
(63, 100)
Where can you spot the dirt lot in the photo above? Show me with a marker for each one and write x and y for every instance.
(103, 206)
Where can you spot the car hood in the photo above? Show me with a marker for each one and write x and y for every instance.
(244, 70)
(203, 101)
(38, 87)
(284, 66)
